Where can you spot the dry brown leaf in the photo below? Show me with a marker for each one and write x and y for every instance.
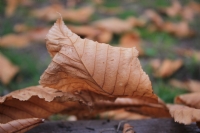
(37, 34)
(173, 10)
(104, 36)
(178, 84)
(190, 85)
(20, 126)
(180, 29)
(189, 53)
(187, 13)
(184, 114)
(154, 17)
(168, 67)
(13, 4)
(13, 40)
(50, 13)
(82, 111)
(151, 110)
(21, 28)
(114, 25)
(85, 31)
(121, 114)
(116, 72)
(195, 6)
(128, 128)
(136, 22)
(191, 99)
(32, 102)
(7, 71)
(130, 40)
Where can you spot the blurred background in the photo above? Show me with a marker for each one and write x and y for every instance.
(166, 34)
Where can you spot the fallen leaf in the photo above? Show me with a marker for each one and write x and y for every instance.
(13, 40)
(20, 126)
(168, 67)
(136, 22)
(116, 72)
(37, 34)
(190, 85)
(181, 29)
(189, 53)
(49, 13)
(128, 128)
(104, 36)
(191, 99)
(21, 28)
(150, 110)
(154, 17)
(130, 40)
(82, 112)
(85, 31)
(121, 114)
(11, 6)
(172, 10)
(184, 114)
(114, 25)
(7, 71)
(195, 6)
(187, 13)
(155, 64)
(31, 102)
(178, 84)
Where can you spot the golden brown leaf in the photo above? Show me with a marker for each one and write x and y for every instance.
(82, 111)
(130, 40)
(50, 13)
(20, 126)
(191, 99)
(114, 25)
(31, 102)
(104, 36)
(154, 17)
(37, 34)
(121, 114)
(82, 67)
(180, 29)
(173, 10)
(128, 128)
(13, 40)
(184, 114)
(7, 71)
(190, 85)
(21, 28)
(168, 67)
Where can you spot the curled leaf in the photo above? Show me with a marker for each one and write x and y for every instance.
(81, 66)
(20, 126)
(191, 99)
(184, 114)
(31, 102)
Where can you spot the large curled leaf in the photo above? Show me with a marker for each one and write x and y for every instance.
(31, 102)
(84, 67)
(20, 126)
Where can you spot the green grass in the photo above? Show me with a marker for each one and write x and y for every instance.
(127, 13)
(29, 72)
(165, 91)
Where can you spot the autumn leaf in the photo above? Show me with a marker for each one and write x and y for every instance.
(166, 68)
(13, 40)
(129, 104)
(191, 99)
(84, 67)
(20, 126)
(104, 36)
(172, 10)
(49, 13)
(7, 71)
(113, 25)
(121, 114)
(190, 85)
(184, 114)
(130, 40)
(32, 102)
